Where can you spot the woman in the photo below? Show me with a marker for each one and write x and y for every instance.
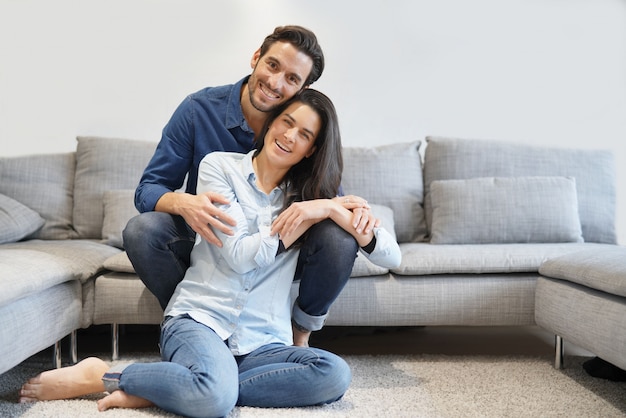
(226, 338)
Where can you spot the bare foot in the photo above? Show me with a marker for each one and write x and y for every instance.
(300, 338)
(80, 379)
(120, 399)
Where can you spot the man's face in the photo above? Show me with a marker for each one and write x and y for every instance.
(277, 76)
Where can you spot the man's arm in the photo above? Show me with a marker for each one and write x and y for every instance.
(166, 172)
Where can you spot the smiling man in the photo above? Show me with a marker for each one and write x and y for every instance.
(227, 118)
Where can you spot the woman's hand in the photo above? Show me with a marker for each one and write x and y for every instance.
(363, 220)
(298, 217)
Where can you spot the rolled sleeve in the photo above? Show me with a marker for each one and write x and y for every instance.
(387, 251)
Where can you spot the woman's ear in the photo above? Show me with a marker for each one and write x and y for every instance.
(311, 152)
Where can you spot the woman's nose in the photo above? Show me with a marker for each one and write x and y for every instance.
(291, 133)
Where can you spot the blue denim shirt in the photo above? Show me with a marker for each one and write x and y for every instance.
(242, 290)
(206, 121)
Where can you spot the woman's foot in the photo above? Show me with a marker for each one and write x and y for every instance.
(120, 399)
(80, 379)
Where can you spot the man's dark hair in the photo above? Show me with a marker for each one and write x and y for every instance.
(304, 41)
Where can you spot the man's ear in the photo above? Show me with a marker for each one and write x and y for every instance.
(255, 58)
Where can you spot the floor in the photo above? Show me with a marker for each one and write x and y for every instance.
(527, 340)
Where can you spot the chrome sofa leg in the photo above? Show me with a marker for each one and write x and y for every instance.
(56, 354)
(558, 358)
(74, 347)
(115, 343)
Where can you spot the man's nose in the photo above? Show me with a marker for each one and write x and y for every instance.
(276, 80)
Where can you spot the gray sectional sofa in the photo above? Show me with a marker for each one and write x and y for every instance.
(475, 220)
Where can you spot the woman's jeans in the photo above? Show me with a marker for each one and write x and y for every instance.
(199, 377)
(159, 246)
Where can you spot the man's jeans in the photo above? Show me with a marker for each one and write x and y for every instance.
(159, 246)
(200, 377)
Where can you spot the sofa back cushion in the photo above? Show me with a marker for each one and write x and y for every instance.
(504, 210)
(104, 164)
(45, 184)
(389, 175)
(593, 171)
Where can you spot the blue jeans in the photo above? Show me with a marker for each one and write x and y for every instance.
(159, 246)
(199, 377)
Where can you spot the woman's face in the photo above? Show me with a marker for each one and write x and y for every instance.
(291, 136)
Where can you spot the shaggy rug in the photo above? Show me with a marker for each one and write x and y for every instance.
(424, 385)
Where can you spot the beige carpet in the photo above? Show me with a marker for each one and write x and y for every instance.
(399, 385)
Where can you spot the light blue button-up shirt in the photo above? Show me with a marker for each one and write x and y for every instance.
(241, 290)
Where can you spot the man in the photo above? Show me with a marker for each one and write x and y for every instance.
(226, 118)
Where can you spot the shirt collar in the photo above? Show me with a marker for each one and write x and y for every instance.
(247, 168)
(234, 112)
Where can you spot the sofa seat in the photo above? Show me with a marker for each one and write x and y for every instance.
(581, 298)
(44, 264)
(426, 259)
(43, 292)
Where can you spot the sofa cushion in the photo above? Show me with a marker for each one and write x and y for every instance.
(425, 259)
(119, 263)
(20, 276)
(593, 170)
(119, 207)
(45, 184)
(104, 164)
(490, 210)
(16, 220)
(598, 268)
(82, 259)
(389, 175)
(28, 267)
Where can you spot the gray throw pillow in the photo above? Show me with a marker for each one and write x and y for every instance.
(389, 175)
(594, 171)
(119, 207)
(500, 210)
(17, 221)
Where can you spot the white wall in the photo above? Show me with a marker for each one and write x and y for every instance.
(549, 72)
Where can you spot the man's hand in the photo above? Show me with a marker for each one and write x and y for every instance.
(200, 213)
(363, 219)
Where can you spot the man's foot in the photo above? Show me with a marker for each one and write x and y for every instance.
(596, 367)
(300, 335)
(80, 379)
(120, 399)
